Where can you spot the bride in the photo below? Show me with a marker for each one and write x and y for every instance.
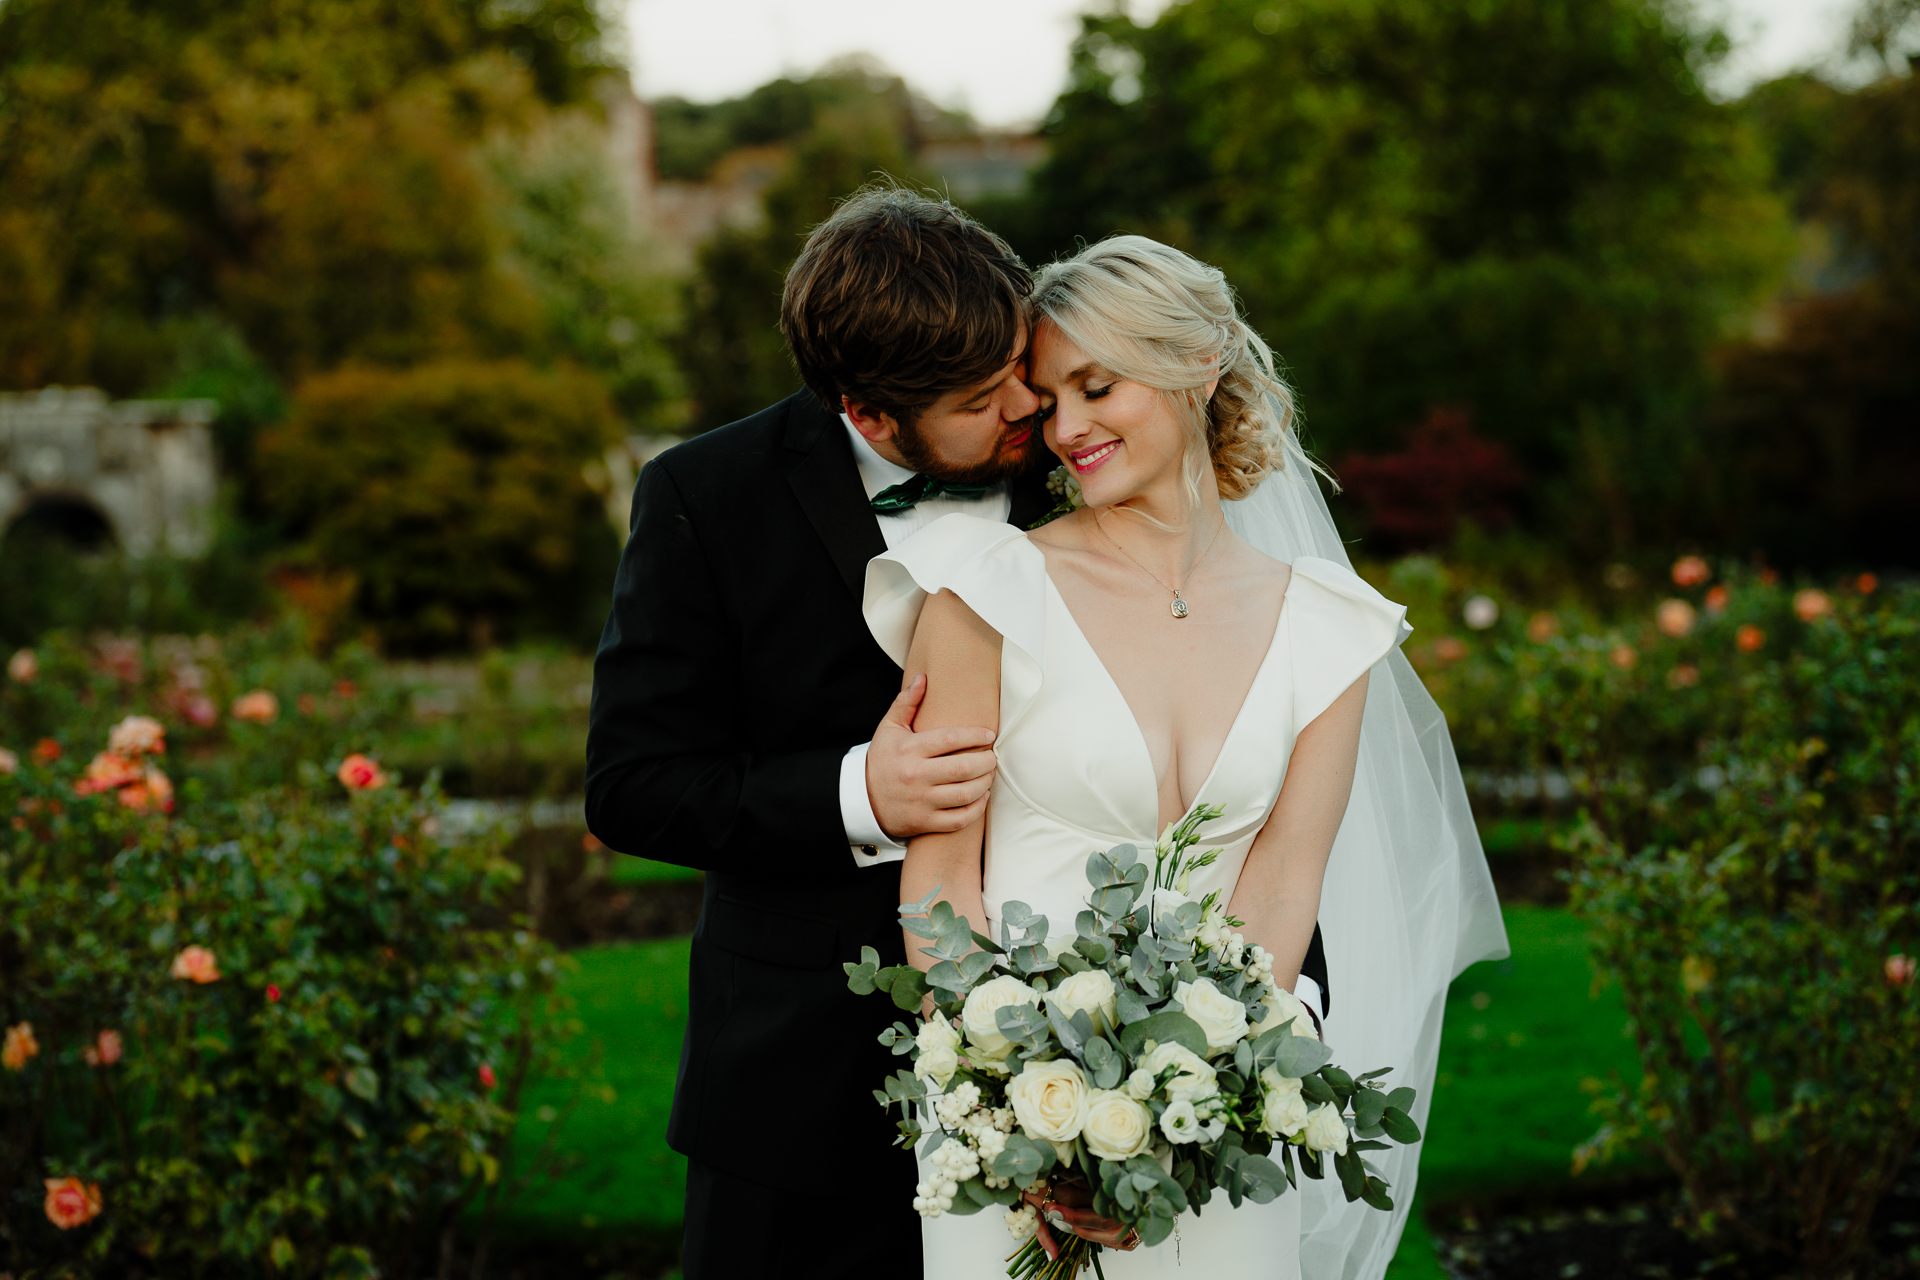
(1191, 635)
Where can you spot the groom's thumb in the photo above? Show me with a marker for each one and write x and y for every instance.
(907, 705)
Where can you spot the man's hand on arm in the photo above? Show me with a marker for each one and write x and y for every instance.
(923, 783)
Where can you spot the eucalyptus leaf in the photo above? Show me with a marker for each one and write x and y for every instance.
(1166, 1027)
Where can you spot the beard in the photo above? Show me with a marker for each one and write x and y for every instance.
(1006, 461)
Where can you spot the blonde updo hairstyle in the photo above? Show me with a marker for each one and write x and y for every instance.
(1146, 312)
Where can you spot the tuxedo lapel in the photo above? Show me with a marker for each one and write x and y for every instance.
(827, 485)
(1030, 499)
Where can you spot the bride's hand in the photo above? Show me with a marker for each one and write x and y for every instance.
(1067, 1202)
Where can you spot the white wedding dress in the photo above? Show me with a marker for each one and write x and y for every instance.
(1076, 776)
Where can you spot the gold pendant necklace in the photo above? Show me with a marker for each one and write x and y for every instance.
(1179, 607)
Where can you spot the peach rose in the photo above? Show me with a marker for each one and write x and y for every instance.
(1542, 627)
(1811, 605)
(1684, 676)
(1674, 618)
(1690, 571)
(153, 790)
(137, 736)
(109, 771)
(1449, 649)
(361, 774)
(1899, 970)
(195, 963)
(71, 1202)
(104, 1051)
(23, 666)
(9, 762)
(256, 706)
(20, 1045)
(1624, 656)
(1749, 638)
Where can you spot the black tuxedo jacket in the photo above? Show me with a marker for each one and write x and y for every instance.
(735, 672)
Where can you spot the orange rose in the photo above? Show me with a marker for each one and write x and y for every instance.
(1624, 656)
(1690, 571)
(1749, 638)
(361, 774)
(1866, 584)
(137, 736)
(71, 1202)
(46, 751)
(20, 1045)
(1717, 599)
(1542, 627)
(109, 771)
(196, 964)
(104, 1051)
(154, 789)
(257, 706)
(1449, 649)
(1811, 604)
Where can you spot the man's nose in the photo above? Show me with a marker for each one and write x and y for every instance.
(1021, 400)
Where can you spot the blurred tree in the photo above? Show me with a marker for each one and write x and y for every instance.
(450, 498)
(730, 349)
(1528, 209)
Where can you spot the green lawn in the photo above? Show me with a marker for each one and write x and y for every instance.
(1521, 1034)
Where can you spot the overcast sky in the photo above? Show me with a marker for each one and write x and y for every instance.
(1005, 60)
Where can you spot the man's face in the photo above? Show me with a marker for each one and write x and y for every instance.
(973, 435)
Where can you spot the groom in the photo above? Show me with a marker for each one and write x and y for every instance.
(746, 723)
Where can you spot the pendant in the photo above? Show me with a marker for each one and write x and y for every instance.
(1179, 606)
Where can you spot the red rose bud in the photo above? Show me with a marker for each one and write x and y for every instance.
(273, 994)
(487, 1078)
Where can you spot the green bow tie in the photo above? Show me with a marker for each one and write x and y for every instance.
(910, 494)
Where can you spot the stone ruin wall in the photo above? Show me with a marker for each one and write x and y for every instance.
(146, 467)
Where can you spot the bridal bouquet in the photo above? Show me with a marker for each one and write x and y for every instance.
(1149, 1059)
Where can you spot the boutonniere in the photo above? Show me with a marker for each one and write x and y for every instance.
(1067, 497)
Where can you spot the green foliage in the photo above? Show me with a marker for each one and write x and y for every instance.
(730, 349)
(1750, 862)
(1528, 210)
(330, 1102)
(451, 496)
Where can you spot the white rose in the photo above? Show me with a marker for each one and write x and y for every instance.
(1050, 1100)
(1140, 1084)
(1089, 992)
(1117, 1126)
(977, 1014)
(1193, 1080)
(1221, 1017)
(937, 1064)
(1326, 1131)
(1180, 1124)
(1167, 902)
(937, 1034)
(1284, 1007)
(1285, 1111)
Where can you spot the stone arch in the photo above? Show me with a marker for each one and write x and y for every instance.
(72, 518)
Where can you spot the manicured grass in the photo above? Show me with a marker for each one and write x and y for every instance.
(1521, 1034)
(632, 1000)
(630, 870)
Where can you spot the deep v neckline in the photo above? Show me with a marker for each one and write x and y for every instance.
(1139, 734)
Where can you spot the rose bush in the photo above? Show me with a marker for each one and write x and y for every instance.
(257, 1037)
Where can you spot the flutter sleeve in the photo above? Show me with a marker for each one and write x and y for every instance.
(994, 569)
(1339, 627)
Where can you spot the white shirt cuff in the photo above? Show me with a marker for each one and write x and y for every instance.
(871, 845)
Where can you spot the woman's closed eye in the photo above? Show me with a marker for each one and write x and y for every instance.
(1095, 393)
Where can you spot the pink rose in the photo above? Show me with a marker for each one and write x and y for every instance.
(257, 707)
(104, 1051)
(153, 790)
(1690, 571)
(71, 1202)
(360, 773)
(109, 771)
(196, 964)
(1674, 618)
(137, 736)
(1899, 970)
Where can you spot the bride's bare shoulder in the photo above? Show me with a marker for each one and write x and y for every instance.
(1258, 565)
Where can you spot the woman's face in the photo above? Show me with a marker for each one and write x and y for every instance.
(1120, 439)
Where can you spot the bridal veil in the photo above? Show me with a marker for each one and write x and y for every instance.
(1408, 902)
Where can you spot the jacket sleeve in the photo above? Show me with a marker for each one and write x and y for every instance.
(668, 775)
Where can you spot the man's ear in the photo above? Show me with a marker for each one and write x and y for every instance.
(876, 427)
